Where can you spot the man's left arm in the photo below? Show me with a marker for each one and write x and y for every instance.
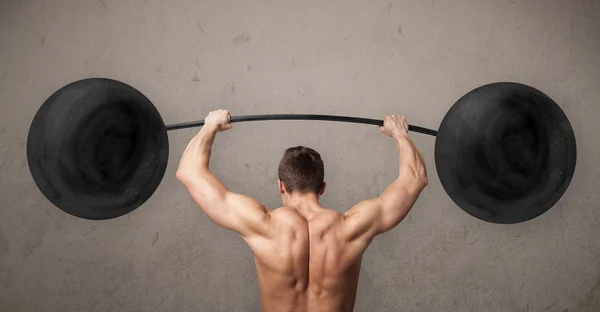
(233, 211)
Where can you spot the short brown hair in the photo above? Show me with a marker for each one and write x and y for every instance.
(301, 170)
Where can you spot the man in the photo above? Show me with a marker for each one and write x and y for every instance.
(307, 257)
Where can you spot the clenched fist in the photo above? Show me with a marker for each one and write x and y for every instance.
(394, 126)
(219, 119)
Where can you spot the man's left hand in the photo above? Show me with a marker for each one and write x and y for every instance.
(219, 119)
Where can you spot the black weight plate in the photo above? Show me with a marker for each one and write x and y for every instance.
(97, 148)
(505, 153)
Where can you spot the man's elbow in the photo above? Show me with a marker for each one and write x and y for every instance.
(181, 176)
(418, 178)
(184, 177)
(419, 182)
(424, 181)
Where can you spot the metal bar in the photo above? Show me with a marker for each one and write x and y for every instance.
(300, 117)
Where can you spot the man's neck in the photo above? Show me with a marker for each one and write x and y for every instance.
(306, 206)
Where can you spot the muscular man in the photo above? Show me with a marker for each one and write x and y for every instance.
(307, 257)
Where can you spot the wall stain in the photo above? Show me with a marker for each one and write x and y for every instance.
(37, 229)
(103, 5)
(589, 297)
(102, 48)
(23, 163)
(92, 229)
(230, 88)
(154, 239)
(241, 39)
(3, 245)
(5, 274)
(7, 164)
(159, 70)
(114, 277)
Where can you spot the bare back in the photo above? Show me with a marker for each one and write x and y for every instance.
(307, 264)
(310, 261)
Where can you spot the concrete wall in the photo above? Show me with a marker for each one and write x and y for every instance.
(353, 58)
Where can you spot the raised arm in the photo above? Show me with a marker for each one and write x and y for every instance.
(232, 211)
(378, 215)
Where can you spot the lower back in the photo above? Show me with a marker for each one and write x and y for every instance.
(307, 302)
(290, 294)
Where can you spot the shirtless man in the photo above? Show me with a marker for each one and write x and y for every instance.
(307, 257)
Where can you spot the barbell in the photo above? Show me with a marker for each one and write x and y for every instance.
(98, 148)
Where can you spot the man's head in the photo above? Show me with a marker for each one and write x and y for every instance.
(301, 174)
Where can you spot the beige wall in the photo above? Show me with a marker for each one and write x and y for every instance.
(354, 58)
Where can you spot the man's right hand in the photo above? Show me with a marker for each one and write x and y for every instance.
(394, 126)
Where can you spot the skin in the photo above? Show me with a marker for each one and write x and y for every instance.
(307, 257)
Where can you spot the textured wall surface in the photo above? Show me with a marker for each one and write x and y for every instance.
(353, 58)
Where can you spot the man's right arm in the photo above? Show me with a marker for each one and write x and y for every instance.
(378, 215)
